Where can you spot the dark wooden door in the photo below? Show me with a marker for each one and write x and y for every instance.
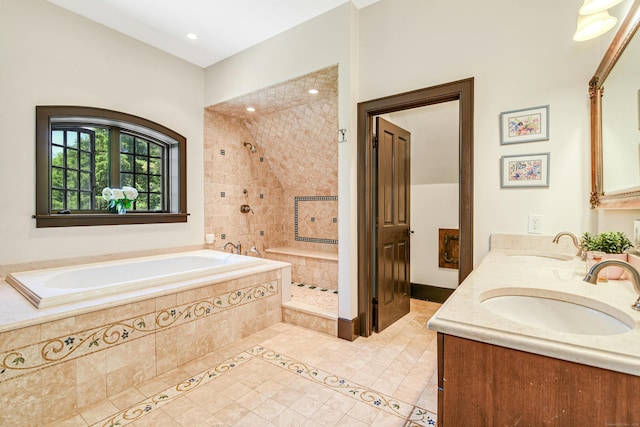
(393, 284)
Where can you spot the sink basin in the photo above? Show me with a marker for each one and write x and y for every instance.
(529, 255)
(559, 315)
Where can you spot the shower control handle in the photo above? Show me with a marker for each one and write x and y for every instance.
(246, 209)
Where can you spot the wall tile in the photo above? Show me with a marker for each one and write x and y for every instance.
(298, 142)
(10, 340)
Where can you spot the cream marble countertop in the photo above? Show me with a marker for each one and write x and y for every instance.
(500, 272)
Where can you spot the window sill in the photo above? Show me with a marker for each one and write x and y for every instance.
(74, 220)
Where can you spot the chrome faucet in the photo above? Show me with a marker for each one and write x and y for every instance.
(581, 252)
(592, 275)
(255, 251)
(224, 247)
(237, 247)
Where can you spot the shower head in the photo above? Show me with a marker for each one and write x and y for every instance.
(252, 148)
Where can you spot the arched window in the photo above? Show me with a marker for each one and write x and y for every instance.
(80, 151)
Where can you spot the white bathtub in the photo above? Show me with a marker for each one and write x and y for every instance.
(54, 286)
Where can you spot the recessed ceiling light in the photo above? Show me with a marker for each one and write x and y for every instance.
(192, 36)
(313, 91)
(251, 109)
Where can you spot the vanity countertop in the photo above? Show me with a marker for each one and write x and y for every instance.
(500, 272)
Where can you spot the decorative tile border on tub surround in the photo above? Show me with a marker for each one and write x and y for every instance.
(76, 344)
(195, 310)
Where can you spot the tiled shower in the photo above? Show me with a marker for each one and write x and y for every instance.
(290, 182)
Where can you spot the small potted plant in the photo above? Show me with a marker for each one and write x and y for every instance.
(609, 245)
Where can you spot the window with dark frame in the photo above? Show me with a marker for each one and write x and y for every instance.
(142, 167)
(81, 150)
(72, 169)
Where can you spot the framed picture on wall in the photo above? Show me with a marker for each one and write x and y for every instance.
(529, 170)
(528, 125)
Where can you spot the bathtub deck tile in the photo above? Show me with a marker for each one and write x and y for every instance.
(90, 392)
(57, 328)
(17, 338)
(186, 297)
(93, 320)
(91, 381)
(165, 302)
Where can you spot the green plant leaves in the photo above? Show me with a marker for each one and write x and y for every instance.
(610, 242)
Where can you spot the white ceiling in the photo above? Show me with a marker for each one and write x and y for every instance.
(223, 27)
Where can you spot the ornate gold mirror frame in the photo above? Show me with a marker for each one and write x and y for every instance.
(624, 199)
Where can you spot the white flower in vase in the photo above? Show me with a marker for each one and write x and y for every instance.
(120, 199)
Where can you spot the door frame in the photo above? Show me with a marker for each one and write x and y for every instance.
(462, 91)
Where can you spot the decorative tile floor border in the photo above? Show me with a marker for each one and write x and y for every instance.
(414, 416)
(158, 400)
(317, 288)
(76, 344)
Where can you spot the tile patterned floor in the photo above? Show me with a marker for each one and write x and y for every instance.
(290, 376)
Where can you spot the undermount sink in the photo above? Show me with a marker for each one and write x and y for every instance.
(557, 314)
(530, 255)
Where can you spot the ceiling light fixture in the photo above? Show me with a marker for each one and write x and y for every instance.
(192, 36)
(313, 91)
(251, 109)
(594, 25)
(595, 6)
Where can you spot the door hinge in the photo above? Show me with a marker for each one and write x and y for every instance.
(375, 141)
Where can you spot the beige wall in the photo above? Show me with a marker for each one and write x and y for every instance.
(520, 56)
(53, 57)
(148, 83)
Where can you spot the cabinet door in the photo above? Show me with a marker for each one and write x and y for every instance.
(487, 385)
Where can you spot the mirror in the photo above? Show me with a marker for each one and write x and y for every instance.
(615, 120)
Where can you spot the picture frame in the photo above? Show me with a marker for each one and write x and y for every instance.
(526, 125)
(524, 170)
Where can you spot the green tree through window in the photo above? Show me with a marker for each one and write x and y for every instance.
(81, 162)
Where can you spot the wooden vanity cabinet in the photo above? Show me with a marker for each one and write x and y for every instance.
(486, 385)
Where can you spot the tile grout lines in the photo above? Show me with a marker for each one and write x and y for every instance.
(414, 415)
(317, 288)
(169, 395)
